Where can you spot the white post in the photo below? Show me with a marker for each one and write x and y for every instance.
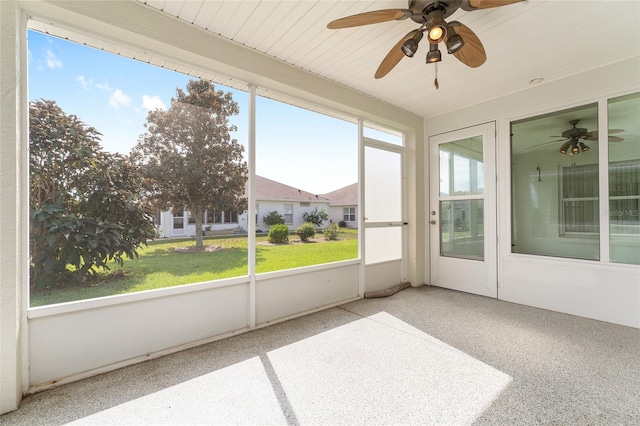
(13, 175)
(251, 223)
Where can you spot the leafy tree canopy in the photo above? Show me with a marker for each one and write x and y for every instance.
(85, 204)
(188, 156)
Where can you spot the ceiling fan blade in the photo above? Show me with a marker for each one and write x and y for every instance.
(366, 18)
(393, 57)
(543, 144)
(615, 139)
(487, 4)
(593, 135)
(472, 53)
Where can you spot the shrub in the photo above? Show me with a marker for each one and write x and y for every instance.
(278, 234)
(306, 231)
(331, 232)
(342, 224)
(273, 218)
(316, 217)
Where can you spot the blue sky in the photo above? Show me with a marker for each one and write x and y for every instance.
(297, 147)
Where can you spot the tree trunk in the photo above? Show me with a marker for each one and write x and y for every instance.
(198, 216)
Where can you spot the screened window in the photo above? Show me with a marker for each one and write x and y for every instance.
(115, 103)
(301, 155)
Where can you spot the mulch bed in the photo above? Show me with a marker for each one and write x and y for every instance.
(194, 249)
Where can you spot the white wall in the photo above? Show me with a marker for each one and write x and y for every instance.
(337, 215)
(79, 339)
(599, 290)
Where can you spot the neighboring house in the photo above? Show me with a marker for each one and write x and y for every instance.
(288, 201)
(344, 205)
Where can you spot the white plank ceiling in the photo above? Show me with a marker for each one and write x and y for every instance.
(548, 39)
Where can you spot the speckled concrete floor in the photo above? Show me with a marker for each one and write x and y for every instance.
(421, 356)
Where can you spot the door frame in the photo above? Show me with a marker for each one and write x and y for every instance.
(382, 273)
(459, 268)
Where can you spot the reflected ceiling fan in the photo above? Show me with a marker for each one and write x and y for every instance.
(574, 139)
(459, 40)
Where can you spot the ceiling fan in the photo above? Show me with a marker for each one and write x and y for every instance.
(459, 40)
(574, 139)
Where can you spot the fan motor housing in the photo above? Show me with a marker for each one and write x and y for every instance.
(421, 8)
(575, 132)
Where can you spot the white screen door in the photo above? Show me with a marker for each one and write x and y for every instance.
(462, 211)
(384, 227)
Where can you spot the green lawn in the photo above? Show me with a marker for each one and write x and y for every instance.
(160, 266)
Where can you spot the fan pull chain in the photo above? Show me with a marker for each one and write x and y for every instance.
(435, 82)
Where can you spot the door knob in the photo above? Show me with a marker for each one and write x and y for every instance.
(433, 222)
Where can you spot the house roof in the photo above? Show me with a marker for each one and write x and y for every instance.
(267, 189)
(346, 196)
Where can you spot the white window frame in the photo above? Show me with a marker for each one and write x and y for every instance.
(288, 208)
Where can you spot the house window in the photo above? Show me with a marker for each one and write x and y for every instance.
(288, 214)
(624, 179)
(192, 218)
(555, 184)
(230, 217)
(257, 210)
(207, 217)
(178, 218)
(349, 214)
(624, 198)
(579, 204)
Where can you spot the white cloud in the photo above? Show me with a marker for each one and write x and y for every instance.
(52, 60)
(153, 102)
(103, 86)
(119, 99)
(84, 82)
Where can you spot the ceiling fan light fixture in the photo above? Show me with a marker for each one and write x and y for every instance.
(454, 43)
(436, 33)
(575, 149)
(434, 54)
(437, 29)
(410, 46)
(583, 147)
(565, 147)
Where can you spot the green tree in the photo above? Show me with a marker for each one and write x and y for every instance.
(85, 204)
(316, 217)
(188, 157)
